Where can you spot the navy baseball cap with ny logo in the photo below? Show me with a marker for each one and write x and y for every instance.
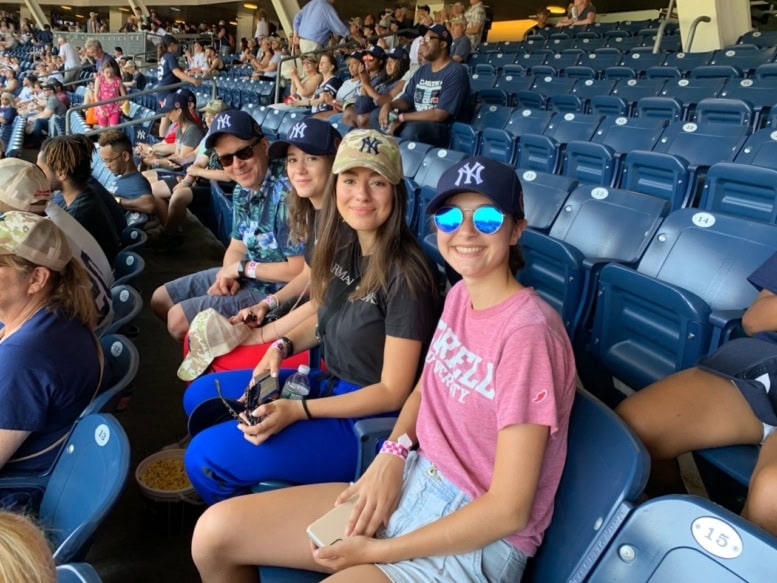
(313, 136)
(494, 180)
(233, 122)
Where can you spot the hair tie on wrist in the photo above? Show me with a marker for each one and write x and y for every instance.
(305, 408)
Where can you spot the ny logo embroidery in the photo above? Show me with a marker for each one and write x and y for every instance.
(370, 146)
(225, 121)
(298, 131)
(469, 172)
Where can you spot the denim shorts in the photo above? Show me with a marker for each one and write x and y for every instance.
(191, 292)
(428, 496)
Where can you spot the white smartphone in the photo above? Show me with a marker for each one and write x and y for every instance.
(330, 528)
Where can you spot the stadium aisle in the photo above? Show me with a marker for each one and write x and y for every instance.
(141, 540)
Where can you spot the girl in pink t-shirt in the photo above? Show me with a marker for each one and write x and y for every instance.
(489, 418)
(106, 86)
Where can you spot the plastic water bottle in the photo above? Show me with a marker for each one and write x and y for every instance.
(297, 386)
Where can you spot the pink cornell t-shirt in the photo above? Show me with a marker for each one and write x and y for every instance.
(486, 370)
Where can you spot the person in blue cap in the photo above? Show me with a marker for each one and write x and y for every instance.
(463, 489)
(261, 255)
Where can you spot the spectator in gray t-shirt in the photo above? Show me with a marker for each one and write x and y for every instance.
(461, 46)
(38, 124)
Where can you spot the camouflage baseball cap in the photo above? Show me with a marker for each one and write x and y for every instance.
(210, 335)
(34, 238)
(23, 186)
(369, 149)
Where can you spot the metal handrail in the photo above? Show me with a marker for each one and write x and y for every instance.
(151, 91)
(662, 27)
(692, 31)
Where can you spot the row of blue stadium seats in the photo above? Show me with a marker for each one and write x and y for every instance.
(580, 94)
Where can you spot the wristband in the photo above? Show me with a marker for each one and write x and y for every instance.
(401, 118)
(284, 346)
(271, 300)
(394, 448)
(250, 269)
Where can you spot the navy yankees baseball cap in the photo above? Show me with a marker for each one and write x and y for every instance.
(313, 136)
(174, 101)
(233, 122)
(494, 180)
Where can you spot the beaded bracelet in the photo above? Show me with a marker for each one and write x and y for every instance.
(394, 448)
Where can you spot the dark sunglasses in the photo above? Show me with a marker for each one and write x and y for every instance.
(245, 153)
(261, 389)
(487, 219)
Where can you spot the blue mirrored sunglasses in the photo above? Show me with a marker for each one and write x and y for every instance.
(487, 219)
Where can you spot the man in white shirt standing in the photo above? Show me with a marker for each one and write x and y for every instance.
(69, 58)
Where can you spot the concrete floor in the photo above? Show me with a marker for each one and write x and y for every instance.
(142, 540)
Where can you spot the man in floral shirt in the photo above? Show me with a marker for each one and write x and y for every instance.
(260, 257)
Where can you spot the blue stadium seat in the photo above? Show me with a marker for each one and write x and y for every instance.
(688, 61)
(272, 122)
(498, 144)
(724, 111)
(530, 100)
(686, 538)
(660, 175)
(702, 145)
(127, 267)
(528, 121)
(566, 103)
(586, 89)
(221, 203)
(761, 39)
(740, 190)
(513, 84)
(692, 91)
(641, 59)
(569, 57)
(543, 71)
(549, 86)
(580, 72)
(623, 43)
(534, 58)
(683, 297)
(127, 304)
(563, 265)
(760, 149)
(543, 197)
(608, 106)
(716, 72)
(744, 57)
(412, 156)
(479, 82)
(632, 90)
(602, 58)
(258, 112)
(499, 60)
(541, 152)
(122, 361)
(662, 108)
(604, 475)
(133, 239)
(618, 73)
(77, 573)
(590, 43)
(464, 138)
(759, 93)
(663, 72)
(84, 485)
(589, 163)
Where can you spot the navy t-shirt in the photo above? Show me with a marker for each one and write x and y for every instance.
(50, 372)
(132, 186)
(444, 89)
(765, 278)
(166, 66)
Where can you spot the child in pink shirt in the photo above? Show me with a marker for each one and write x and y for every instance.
(489, 417)
(107, 84)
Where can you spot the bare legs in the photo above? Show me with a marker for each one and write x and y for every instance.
(694, 409)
